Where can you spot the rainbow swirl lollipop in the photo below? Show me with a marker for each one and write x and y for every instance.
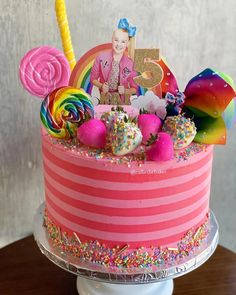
(64, 109)
(44, 69)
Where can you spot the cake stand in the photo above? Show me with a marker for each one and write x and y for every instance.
(93, 279)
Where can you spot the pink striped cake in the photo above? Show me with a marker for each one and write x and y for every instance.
(124, 204)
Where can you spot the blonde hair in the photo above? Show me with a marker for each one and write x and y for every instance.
(131, 47)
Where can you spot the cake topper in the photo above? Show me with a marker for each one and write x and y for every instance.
(112, 71)
(118, 73)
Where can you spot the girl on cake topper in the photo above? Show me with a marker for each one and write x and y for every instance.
(112, 71)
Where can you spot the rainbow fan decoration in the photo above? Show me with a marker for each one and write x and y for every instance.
(229, 114)
(207, 97)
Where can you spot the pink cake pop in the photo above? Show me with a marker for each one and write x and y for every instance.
(162, 148)
(92, 133)
(148, 124)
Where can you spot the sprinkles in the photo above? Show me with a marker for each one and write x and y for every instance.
(138, 156)
(122, 249)
(181, 129)
(77, 238)
(124, 257)
(191, 150)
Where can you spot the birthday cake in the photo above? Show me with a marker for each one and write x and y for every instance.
(127, 157)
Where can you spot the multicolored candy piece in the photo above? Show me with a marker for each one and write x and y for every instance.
(64, 109)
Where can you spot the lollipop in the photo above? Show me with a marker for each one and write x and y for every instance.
(44, 69)
(64, 109)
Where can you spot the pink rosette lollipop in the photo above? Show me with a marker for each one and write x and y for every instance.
(44, 69)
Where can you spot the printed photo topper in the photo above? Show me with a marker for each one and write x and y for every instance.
(116, 72)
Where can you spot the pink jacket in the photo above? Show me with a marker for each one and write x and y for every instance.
(102, 67)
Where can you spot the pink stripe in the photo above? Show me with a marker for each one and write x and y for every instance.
(164, 242)
(158, 209)
(85, 166)
(124, 211)
(117, 228)
(126, 220)
(135, 194)
(126, 237)
(70, 196)
(124, 186)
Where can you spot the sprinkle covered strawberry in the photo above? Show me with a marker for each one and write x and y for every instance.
(116, 115)
(125, 138)
(182, 130)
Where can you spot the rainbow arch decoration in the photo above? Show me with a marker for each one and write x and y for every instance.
(80, 76)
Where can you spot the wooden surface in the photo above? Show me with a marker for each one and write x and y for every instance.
(24, 270)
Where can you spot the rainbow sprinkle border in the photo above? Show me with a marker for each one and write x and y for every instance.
(116, 257)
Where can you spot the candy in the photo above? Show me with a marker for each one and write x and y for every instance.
(92, 133)
(181, 129)
(63, 109)
(44, 69)
(62, 21)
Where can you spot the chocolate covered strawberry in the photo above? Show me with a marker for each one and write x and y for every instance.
(161, 147)
(126, 137)
(115, 116)
(92, 133)
(148, 124)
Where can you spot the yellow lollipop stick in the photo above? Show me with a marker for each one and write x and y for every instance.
(63, 25)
